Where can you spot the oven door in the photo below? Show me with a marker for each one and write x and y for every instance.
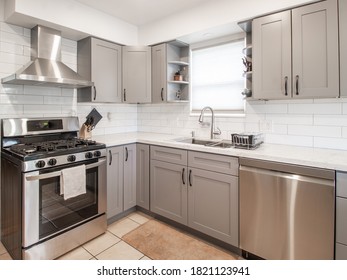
(46, 213)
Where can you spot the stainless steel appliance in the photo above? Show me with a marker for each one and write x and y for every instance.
(286, 211)
(46, 68)
(36, 221)
(247, 140)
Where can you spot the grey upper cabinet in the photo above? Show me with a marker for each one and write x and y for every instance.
(272, 56)
(315, 50)
(136, 74)
(159, 88)
(129, 187)
(101, 62)
(170, 72)
(114, 181)
(142, 176)
(304, 70)
(343, 46)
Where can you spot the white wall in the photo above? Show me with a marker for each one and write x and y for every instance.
(208, 15)
(74, 19)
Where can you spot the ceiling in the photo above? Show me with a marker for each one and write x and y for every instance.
(140, 12)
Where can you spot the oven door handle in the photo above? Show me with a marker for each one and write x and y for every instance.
(58, 173)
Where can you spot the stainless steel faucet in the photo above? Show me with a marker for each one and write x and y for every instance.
(201, 121)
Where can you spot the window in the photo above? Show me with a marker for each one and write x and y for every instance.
(216, 77)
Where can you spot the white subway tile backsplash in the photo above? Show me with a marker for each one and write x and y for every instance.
(316, 108)
(46, 91)
(11, 89)
(12, 48)
(12, 58)
(330, 120)
(267, 108)
(10, 28)
(324, 131)
(15, 38)
(20, 99)
(63, 100)
(10, 110)
(290, 119)
(44, 109)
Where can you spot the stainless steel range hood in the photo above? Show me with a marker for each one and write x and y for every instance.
(46, 68)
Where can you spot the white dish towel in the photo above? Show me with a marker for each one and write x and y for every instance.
(73, 181)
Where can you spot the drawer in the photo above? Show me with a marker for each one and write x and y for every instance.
(341, 252)
(212, 162)
(341, 221)
(341, 184)
(170, 155)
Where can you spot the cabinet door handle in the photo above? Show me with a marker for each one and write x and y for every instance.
(94, 87)
(286, 85)
(110, 160)
(190, 178)
(125, 95)
(183, 173)
(297, 84)
(162, 94)
(126, 154)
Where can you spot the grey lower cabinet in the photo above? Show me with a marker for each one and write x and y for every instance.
(199, 190)
(286, 60)
(137, 67)
(121, 179)
(142, 175)
(343, 46)
(341, 212)
(115, 167)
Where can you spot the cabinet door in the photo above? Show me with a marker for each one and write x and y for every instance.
(114, 181)
(129, 176)
(159, 73)
(272, 56)
(106, 71)
(136, 74)
(213, 204)
(343, 46)
(142, 176)
(315, 50)
(168, 190)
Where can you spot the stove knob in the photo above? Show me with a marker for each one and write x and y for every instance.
(71, 158)
(97, 153)
(52, 162)
(40, 164)
(89, 155)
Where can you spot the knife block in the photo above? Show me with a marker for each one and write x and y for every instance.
(85, 132)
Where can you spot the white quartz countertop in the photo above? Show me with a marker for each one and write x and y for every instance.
(321, 158)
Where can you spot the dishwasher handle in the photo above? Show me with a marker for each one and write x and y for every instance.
(287, 176)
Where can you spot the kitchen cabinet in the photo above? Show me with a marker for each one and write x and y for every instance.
(129, 187)
(121, 179)
(343, 46)
(101, 62)
(168, 59)
(286, 60)
(168, 183)
(136, 74)
(341, 212)
(196, 189)
(142, 176)
(114, 181)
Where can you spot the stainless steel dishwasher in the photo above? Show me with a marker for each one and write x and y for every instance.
(286, 211)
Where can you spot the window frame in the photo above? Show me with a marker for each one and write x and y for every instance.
(209, 44)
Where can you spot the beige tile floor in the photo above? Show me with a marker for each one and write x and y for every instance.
(108, 246)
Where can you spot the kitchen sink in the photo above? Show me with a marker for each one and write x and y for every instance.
(208, 143)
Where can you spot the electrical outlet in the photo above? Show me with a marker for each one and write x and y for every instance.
(265, 126)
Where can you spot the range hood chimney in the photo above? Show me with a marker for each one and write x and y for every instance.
(46, 68)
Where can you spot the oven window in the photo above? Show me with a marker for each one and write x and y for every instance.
(56, 214)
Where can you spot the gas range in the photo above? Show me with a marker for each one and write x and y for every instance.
(44, 143)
